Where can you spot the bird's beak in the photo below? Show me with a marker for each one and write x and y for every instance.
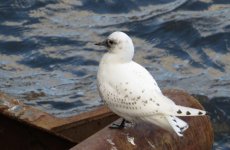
(103, 43)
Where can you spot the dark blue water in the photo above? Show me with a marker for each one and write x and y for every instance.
(48, 58)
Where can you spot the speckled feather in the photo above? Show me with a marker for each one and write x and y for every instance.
(131, 92)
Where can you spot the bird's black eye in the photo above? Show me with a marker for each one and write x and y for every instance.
(109, 42)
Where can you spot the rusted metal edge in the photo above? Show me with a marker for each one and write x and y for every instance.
(81, 126)
(98, 113)
(69, 128)
(23, 113)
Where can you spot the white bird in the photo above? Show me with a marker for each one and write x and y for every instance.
(131, 92)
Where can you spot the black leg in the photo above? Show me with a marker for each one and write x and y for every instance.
(118, 126)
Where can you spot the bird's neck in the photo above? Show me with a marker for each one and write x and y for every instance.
(115, 58)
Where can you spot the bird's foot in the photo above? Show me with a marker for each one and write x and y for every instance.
(118, 126)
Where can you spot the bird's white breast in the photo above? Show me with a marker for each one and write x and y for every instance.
(128, 89)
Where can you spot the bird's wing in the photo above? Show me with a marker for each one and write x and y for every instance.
(177, 110)
(136, 93)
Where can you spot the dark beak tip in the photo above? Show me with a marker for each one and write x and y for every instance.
(97, 43)
(101, 43)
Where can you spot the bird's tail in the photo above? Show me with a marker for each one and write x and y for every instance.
(178, 125)
(169, 123)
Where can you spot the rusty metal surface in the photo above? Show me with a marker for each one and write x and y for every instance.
(28, 127)
(16, 110)
(15, 135)
(84, 125)
(199, 136)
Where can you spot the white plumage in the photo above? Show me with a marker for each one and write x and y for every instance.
(131, 92)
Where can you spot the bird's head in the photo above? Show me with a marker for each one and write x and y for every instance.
(120, 44)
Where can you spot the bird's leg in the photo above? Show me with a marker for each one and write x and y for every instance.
(118, 126)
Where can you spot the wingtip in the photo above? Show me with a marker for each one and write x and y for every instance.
(202, 112)
(187, 111)
(207, 113)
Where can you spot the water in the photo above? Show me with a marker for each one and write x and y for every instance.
(48, 58)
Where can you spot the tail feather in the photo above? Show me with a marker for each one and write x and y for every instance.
(178, 125)
(169, 123)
